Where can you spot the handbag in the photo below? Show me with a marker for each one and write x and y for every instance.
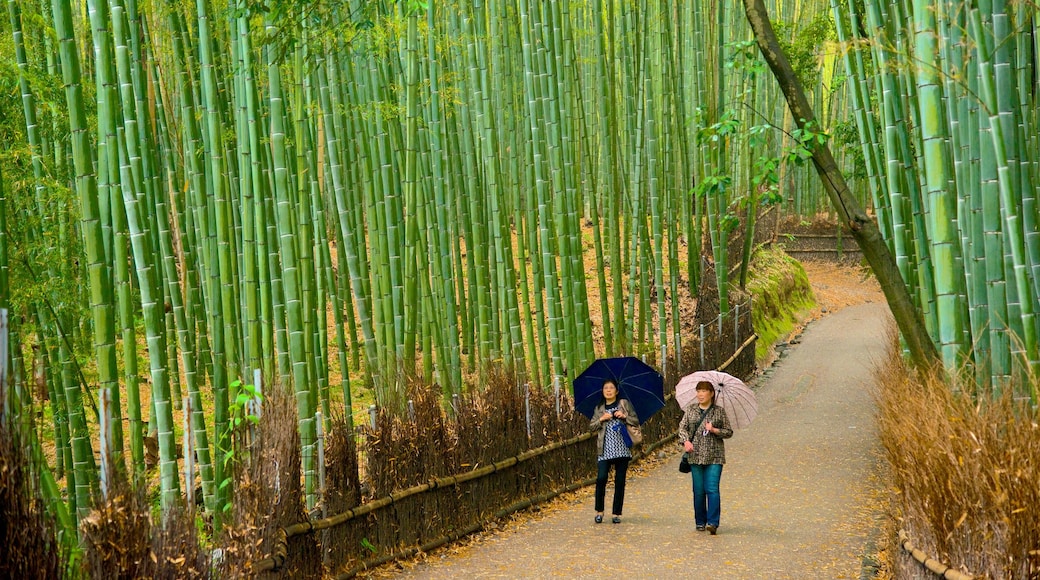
(635, 435)
(684, 464)
(630, 434)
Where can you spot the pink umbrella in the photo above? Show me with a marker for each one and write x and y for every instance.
(736, 398)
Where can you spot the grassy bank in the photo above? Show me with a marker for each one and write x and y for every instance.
(782, 296)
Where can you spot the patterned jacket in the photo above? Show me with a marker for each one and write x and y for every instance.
(707, 449)
(596, 425)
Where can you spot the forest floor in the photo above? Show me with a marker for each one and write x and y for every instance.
(801, 491)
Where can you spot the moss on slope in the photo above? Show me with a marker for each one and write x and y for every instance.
(781, 294)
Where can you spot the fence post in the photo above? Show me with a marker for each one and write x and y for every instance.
(254, 405)
(556, 394)
(189, 456)
(678, 355)
(4, 410)
(701, 345)
(372, 415)
(257, 382)
(664, 358)
(411, 410)
(736, 328)
(455, 404)
(527, 407)
(320, 433)
(104, 430)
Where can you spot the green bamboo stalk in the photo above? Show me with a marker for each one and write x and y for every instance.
(292, 284)
(97, 271)
(350, 250)
(184, 314)
(214, 231)
(144, 262)
(1023, 284)
(441, 251)
(944, 247)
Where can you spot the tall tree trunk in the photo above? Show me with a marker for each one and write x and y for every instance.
(864, 230)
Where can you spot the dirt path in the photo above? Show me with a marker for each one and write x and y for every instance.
(799, 492)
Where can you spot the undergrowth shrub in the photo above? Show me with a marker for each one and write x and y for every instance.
(29, 545)
(121, 540)
(268, 496)
(964, 472)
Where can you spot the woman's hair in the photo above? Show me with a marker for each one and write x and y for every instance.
(610, 382)
(706, 386)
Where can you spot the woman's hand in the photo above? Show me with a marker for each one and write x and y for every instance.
(708, 427)
(605, 417)
(687, 446)
(619, 414)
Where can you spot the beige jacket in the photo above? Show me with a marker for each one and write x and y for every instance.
(596, 425)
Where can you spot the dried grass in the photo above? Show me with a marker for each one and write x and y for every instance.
(117, 537)
(27, 533)
(268, 496)
(964, 472)
(177, 549)
(121, 541)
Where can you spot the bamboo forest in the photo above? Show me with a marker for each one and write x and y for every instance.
(340, 216)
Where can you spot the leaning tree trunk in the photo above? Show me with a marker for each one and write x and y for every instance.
(864, 230)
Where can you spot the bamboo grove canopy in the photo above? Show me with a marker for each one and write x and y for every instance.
(311, 192)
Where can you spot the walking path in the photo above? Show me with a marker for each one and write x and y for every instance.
(799, 490)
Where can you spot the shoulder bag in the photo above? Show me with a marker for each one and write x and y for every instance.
(633, 434)
(684, 464)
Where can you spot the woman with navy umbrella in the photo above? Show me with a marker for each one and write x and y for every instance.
(610, 419)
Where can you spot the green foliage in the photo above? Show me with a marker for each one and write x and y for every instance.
(37, 209)
(713, 185)
(245, 398)
(728, 126)
(805, 45)
(765, 180)
(746, 57)
(765, 174)
(239, 411)
(806, 139)
(846, 137)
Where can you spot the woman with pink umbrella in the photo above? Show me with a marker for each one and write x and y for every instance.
(702, 430)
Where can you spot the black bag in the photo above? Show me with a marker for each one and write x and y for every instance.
(684, 466)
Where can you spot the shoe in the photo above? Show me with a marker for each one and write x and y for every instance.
(700, 528)
(711, 529)
(616, 519)
(599, 518)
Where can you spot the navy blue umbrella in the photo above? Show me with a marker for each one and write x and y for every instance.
(637, 381)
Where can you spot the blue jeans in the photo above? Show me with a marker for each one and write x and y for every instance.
(706, 505)
(620, 470)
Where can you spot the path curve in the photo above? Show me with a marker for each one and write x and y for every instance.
(799, 490)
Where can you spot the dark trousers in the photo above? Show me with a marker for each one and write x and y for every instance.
(620, 471)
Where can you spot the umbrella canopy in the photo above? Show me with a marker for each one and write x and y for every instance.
(736, 398)
(637, 381)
